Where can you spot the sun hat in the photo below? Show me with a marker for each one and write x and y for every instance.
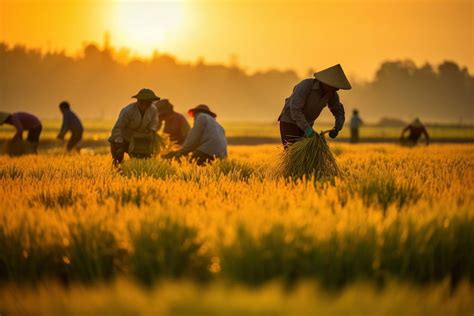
(146, 95)
(334, 76)
(201, 108)
(4, 116)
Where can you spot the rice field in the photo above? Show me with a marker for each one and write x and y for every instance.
(395, 227)
(99, 130)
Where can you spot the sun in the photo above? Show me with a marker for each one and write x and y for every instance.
(145, 26)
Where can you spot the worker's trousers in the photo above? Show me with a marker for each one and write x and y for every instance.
(290, 133)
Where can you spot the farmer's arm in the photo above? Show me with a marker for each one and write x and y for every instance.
(194, 136)
(65, 126)
(13, 120)
(120, 126)
(427, 137)
(297, 103)
(404, 131)
(337, 110)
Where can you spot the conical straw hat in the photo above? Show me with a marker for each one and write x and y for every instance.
(334, 76)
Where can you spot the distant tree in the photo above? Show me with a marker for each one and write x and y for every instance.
(101, 79)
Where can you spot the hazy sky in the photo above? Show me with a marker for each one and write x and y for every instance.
(262, 34)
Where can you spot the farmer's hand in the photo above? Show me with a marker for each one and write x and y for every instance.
(309, 132)
(333, 133)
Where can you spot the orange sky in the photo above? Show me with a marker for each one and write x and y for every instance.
(263, 34)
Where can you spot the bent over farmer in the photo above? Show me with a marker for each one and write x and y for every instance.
(206, 140)
(23, 121)
(137, 121)
(176, 125)
(415, 130)
(308, 99)
(71, 123)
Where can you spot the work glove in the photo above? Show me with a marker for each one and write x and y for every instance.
(333, 133)
(309, 132)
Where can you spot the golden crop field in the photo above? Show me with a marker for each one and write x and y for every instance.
(398, 220)
(99, 130)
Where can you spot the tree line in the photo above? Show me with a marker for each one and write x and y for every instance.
(97, 84)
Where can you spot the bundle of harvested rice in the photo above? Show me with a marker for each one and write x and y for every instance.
(308, 157)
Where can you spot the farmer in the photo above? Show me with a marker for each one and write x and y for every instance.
(308, 99)
(70, 123)
(176, 125)
(23, 121)
(356, 122)
(415, 130)
(138, 118)
(206, 141)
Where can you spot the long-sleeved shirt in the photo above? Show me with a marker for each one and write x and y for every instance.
(22, 121)
(131, 120)
(415, 132)
(70, 123)
(307, 101)
(176, 127)
(206, 136)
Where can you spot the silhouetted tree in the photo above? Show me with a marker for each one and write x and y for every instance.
(100, 81)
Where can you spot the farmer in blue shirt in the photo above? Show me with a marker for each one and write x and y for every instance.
(308, 99)
(70, 123)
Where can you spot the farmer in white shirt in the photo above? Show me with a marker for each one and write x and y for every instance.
(206, 140)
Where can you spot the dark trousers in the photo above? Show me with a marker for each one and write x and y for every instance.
(201, 158)
(354, 135)
(34, 134)
(76, 137)
(290, 133)
(33, 138)
(118, 150)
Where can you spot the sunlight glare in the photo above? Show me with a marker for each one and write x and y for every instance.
(146, 26)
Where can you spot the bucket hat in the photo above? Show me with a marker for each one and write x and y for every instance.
(201, 108)
(146, 95)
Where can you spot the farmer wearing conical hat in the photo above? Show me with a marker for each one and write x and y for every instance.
(23, 121)
(139, 119)
(206, 140)
(308, 99)
(415, 130)
(176, 125)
